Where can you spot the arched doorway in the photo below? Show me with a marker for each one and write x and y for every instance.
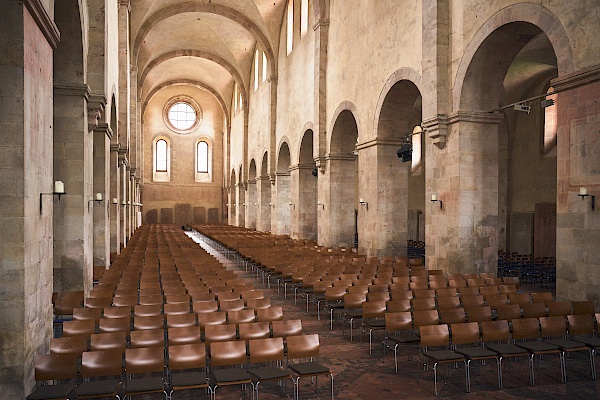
(283, 203)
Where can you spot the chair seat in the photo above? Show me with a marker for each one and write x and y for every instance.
(506, 349)
(443, 355)
(353, 314)
(590, 341)
(231, 375)
(538, 347)
(98, 388)
(143, 385)
(409, 338)
(52, 392)
(567, 344)
(309, 368)
(269, 373)
(186, 379)
(376, 324)
(475, 353)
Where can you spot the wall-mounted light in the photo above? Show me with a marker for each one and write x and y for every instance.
(256, 204)
(320, 205)
(583, 194)
(115, 201)
(58, 189)
(435, 199)
(123, 203)
(362, 202)
(97, 197)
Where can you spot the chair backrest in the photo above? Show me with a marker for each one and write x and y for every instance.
(184, 335)
(495, 331)
(227, 353)
(509, 311)
(290, 327)
(555, 308)
(493, 281)
(534, 310)
(147, 310)
(68, 345)
(151, 299)
(91, 302)
(178, 298)
(225, 296)
(488, 290)
(87, 313)
(66, 306)
(213, 318)
(398, 305)
(452, 316)
(144, 359)
(582, 324)
(266, 350)
(180, 320)
(472, 301)
(423, 293)
(465, 333)
(125, 301)
(479, 314)
(434, 335)
(109, 341)
(398, 321)
(220, 333)
(378, 296)
(258, 304)
(269, 314)
(358, 289)
(425, 317)
(354, 300)
(423, 304)
(253, 294)
(446, 292)
(187, 356)
(147, 338)
(151, 322)
(468, 291)
(583, 307)
(526, 328)
(176, 308)
(200, 307)
(448, 303)
(457, 283)
(496, 300)
(476, 282)
(544, 297)
(303, 346)
(419, 285)
(204, 296)
(55, 367)
(101, 363)
(79, 327)
(512, 280)
(241, 316)
(373, 309)
(519, 298)
(507, 289)
(117, 312)
(553, 326)
(254, 330)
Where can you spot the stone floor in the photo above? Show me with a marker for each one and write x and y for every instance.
(361, 376)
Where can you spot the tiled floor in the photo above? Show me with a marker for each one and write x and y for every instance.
(361, 376)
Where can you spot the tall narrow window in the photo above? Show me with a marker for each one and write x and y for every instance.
(290, 26)
(255, 69)
(264, 67)
(303, 18)
(161, 155)
(235, 98)
(416, 151)
(241, 102)
(202, 157)
(550, 126)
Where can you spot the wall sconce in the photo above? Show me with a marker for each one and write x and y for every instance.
(123, 203)
(115, 201)
(435, 199)
(320, 205)
(58, 189)
(583, 194)
(234, 204)
(97, 197)
(292, 205)
(362, 202)
(256, 204)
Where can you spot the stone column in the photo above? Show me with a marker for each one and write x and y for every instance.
(251, 204)
(114, 209)
(27, 37)
(263, 188)
(240, 201)
(383, 215)
(281, 217)
(123, 194)
(130, 201)
(462, 235)
(102, 137)
(578, 157)
(304, 198)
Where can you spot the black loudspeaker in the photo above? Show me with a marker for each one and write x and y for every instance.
(315, 171)
(405, 153)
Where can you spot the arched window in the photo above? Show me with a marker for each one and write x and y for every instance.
(290, 26)
(202, 157)
(264, 67)
(550, 126)
(161, 171)
(161, 155)
(255, 69)
(303, 18)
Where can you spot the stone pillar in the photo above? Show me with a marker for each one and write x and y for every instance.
(263, 188)
(102, 137)
(231, 196)
(281, 217)
(130, 201)
(114, 209)
(28, 38)
(462, 236)
(578, 157)
(304, 199)
(383, 215)
(251, 204)
(123, 195)
(240, 201)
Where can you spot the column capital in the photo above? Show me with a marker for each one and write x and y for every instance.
(437, 127)
(321, 163)
(115, 147)
(103, 127)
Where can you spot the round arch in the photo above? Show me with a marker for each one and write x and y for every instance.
(346, 107)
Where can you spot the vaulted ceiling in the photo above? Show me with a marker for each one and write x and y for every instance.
(209, 43)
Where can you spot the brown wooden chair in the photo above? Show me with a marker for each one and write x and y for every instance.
(559, 308)
(283, 329)
(486, 291)
(435, 342)
(423, 304)
(176, 308)
(147, 310)
(425, 317)
(446, 292)
(472, 301)
(200, 307)
(468, 291)
(452, 316)
(87, 313)
(269, 314)
(144, 368)
(496, 300)
(519, 298)
(241, 316)
(220, 333)
(117, 312)
(352, 309)
(101, 372)
(479, 314)
(466, 341)
(306, 347)
(125, 301)
(254, 330)
(151, 299)
(91, 302)
(184, 335)
(109, 341)
(79, 327)
(180, 320)
(534, 310)
(373, 319)
(106, 325)
(398, 331)
(231, 305)
(214, 318)
(147, 338)
(224, 356)
(583, 307)
(509, 312)
(397, 305)
(69, 345)
(544, 297)
(266, 359)
(507, 289)
(448, 303)
(59, 368)
(187, 367)
(152, 322)
(258, 304)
